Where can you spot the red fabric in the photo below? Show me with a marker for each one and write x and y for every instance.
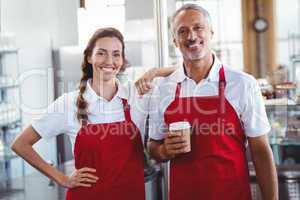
(216, 168)
(115, 150)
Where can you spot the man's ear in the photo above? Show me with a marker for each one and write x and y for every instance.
(212, 34)
(175, 42)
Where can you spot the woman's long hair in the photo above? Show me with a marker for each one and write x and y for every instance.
(87, 69)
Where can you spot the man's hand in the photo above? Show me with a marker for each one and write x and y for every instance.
(144, 83)
(174, 144)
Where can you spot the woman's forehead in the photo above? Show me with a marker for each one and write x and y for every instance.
(108, 43)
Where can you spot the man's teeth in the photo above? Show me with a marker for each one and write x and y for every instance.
(193, 45)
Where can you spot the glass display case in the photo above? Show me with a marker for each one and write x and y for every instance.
(285, 133)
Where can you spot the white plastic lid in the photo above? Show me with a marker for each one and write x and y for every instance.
(179, 126)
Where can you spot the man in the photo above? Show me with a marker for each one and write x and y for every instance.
(226, 111)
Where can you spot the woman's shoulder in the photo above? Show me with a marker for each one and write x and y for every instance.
(67, 99)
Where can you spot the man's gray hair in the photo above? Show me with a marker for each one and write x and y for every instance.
(191, 6)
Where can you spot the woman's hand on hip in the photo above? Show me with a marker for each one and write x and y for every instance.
(81, 178)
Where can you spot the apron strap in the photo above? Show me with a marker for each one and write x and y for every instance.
(126, 110)
(222, 85)
(178, 87)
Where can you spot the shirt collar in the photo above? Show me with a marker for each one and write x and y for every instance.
(91, 96)
(213, 75)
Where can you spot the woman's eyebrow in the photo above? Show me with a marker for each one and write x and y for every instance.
(101, 49)
(105, 50)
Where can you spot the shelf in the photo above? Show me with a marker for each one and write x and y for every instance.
(7, 157)
(8, 87)
(8, 51)
(292, 107)
(10, 114)
(16, 122)
(285, 142)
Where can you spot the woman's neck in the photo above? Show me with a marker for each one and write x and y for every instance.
(105, 89)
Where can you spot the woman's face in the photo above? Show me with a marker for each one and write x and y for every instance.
(106, 58)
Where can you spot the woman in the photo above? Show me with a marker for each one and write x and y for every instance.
(103, 125)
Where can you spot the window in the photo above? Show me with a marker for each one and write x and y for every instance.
(227, 24)
(100, 14)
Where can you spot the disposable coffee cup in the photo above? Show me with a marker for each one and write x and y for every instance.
(184, 129)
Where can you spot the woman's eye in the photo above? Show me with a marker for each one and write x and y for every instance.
(117, 55)
(100, 53)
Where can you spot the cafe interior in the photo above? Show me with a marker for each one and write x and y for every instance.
(41, 46)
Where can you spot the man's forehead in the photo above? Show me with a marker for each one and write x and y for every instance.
(189, 17)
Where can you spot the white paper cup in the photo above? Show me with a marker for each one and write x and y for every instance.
(184, 128)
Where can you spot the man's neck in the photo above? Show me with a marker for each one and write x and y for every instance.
(105, 89)
(199, 69)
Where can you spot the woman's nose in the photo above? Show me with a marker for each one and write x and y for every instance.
(109, 60)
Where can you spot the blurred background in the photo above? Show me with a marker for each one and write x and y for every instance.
(41, 43)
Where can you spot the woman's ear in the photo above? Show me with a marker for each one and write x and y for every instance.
(125, 64)
(89, 60)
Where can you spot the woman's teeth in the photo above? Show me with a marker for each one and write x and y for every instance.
(108, 69)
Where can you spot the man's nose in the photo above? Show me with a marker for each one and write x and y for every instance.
(192, 35)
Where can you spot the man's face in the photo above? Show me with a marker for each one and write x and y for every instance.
(192, 34)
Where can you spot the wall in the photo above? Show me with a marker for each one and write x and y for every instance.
(40, 27)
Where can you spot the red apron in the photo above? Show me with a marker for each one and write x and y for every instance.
(115, 150)
(216, 168)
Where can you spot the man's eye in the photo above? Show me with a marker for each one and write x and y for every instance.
(199, 28)
(117, 55)
(182, 31)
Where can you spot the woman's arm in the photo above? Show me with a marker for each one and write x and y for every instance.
(143, 84)
(23, 146)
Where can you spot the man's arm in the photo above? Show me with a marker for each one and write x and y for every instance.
(264, 166)
(155, 148)
(144, 83)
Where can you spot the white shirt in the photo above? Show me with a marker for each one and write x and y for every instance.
(61, 114)
(242, 91)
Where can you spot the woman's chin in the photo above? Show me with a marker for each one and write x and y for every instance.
(108, 76)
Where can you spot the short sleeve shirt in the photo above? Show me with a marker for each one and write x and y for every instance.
(242, 91)
(61, 114)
